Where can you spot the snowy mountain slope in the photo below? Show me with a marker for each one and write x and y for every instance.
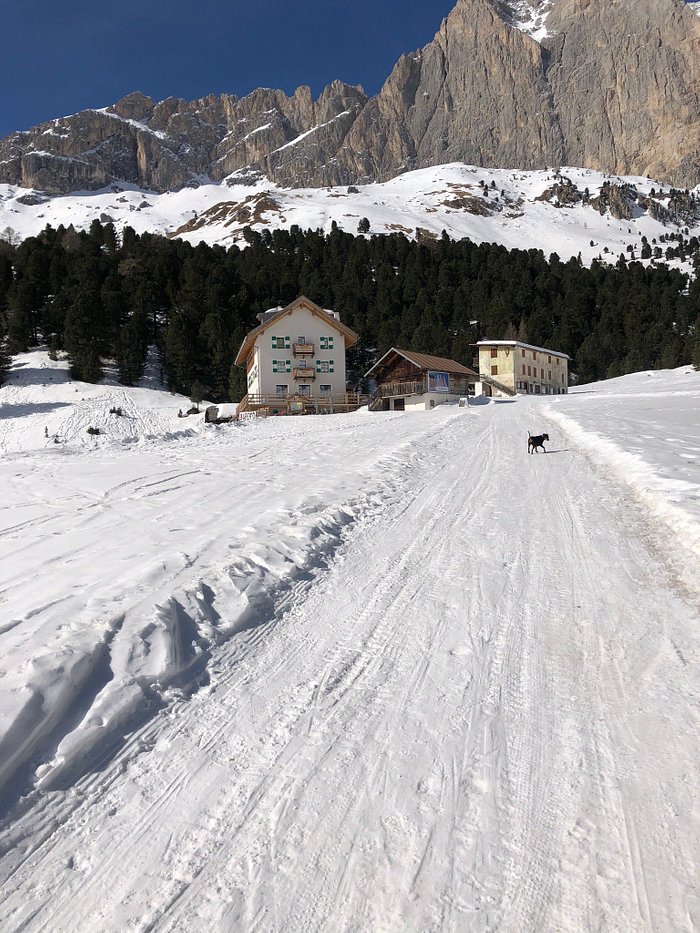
(358, 667)
(522, 210)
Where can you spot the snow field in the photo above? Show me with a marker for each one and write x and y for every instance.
(425, 199)
(362, 672)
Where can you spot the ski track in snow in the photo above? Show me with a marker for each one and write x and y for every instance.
(459, 696)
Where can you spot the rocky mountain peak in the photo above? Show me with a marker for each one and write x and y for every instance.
(134, 106)
(612, 85)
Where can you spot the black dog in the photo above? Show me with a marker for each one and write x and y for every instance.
(537, 441)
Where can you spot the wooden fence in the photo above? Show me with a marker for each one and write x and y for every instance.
(303, 405)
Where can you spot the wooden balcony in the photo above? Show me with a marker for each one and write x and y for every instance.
(304, 349)
(304, 372)
(394, 389)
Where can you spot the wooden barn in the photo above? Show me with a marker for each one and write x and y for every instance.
(409, 381)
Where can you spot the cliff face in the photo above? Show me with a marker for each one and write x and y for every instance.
(615, 85)
(607, 84)
(165, 146)
(625, 78)
(478, 94)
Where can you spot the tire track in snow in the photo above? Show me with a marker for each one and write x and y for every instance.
(135, 743)
(480, 751)
(349, 672)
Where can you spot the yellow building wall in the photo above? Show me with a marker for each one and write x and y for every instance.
(548, 374)
(503, 361)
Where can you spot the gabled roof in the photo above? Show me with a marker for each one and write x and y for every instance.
(351, 337)
(425, 361)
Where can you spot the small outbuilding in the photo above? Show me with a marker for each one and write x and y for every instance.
(409, 381)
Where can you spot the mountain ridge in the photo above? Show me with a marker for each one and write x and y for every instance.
(611, 86)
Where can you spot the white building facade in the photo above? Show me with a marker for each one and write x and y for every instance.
(297, 352)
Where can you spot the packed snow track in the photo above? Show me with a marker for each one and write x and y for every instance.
(464, 703)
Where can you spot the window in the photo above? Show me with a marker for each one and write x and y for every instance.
(523, 369)
(534, 355)
(280, 343)
(541, 374)
(325, 343)
(324, 390)
(301, 339)
(281, 391)
(549, 374)
(494, 370)
(529, 370)
(323, 366)
(549, 358)
(494, 354)
(281, 366)
(304, 389)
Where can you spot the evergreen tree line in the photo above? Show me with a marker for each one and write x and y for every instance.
(98, 295)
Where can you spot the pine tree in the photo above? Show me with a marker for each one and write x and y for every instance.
(5, 357)
(81, 340)
(696, 345)
(237, 387)
(21, 318)
(132, 347)
(196, 393)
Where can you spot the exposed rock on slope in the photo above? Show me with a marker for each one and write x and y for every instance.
(171, 144)
(607, 84)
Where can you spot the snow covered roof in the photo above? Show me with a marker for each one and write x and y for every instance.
(524, 346)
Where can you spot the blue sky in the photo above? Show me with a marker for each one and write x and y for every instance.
(61, 57)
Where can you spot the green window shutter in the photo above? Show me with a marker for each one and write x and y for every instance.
(331, 367)
(286, 343)
(289, 366)
(330, 343)
(318, 366)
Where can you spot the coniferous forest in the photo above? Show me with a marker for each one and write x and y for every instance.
(99, 295)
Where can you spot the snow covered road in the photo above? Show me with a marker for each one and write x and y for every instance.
(458, 697)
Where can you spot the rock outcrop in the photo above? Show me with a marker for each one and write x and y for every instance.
(607, 84)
